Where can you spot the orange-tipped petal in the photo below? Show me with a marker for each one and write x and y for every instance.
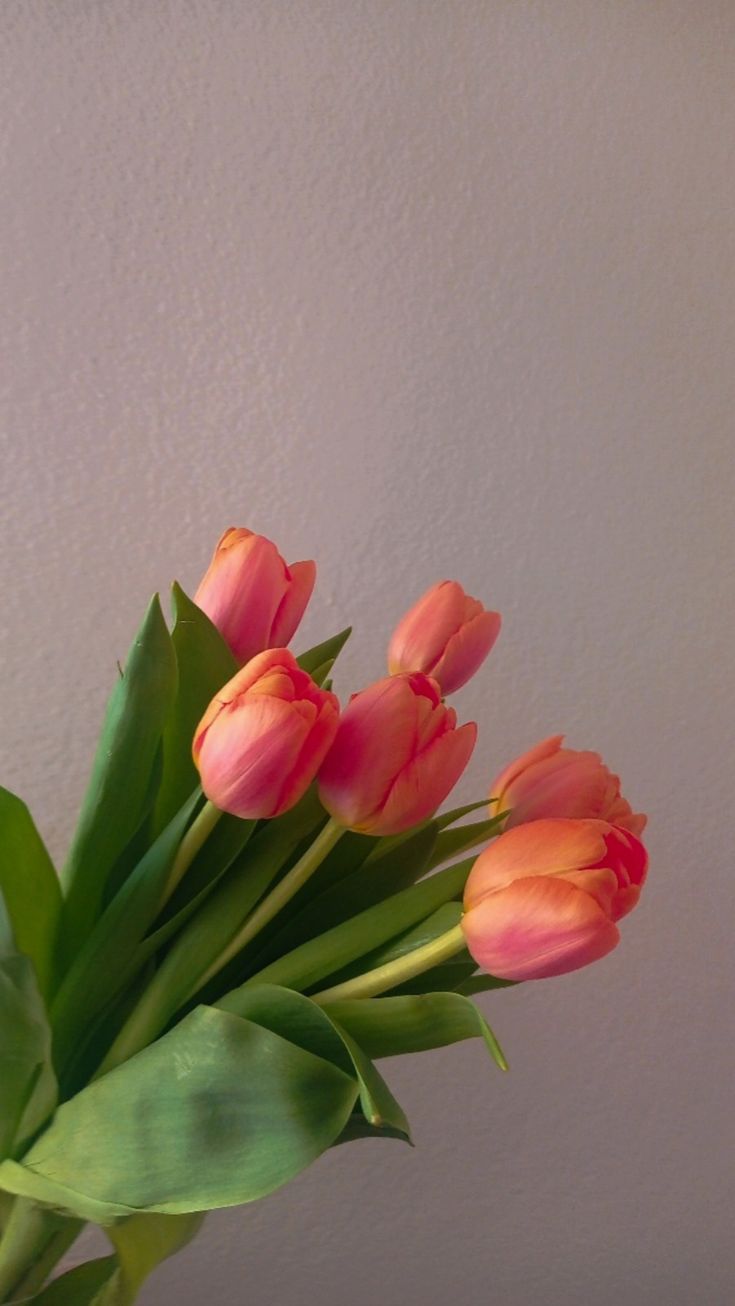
(546, 748)
(293, 604)
(466, 651)
(424, 784)
(536, 928)
(539, 848)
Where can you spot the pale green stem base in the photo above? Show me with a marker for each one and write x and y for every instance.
(396, 972)
(276, 899)
(197, 834)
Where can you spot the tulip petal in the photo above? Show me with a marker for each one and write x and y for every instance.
(466, 651)
(374, 741)
(293, 604)
(244, 760)
(538, 927)
(538, 848)
(569, 783)
(546, 748)
(241, 593)
(421, 635)
(424, 784)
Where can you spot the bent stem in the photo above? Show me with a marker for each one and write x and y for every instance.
(277, 898)
(393, 973)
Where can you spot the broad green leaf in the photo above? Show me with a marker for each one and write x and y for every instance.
(29, 889)
(389, 1027)
(328, 651)
(205, 663)
(295, 1017)
(224, 845)
(313, 961)
(218, 1112)
(119, 792)
(357, 1127)
(27, 1080)
(83, 1286)
(103, 961)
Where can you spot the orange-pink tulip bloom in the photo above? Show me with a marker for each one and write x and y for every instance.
(550, 780)
(397, 754)
(253, 598)
(543, 899)
(264, 736)
(446, 634)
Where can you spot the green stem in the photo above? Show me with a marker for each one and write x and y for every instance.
(393, 973)
(33, 1241)
(197, 834)
(276, 899)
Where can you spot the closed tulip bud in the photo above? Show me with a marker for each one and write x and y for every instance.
(543, 899)
(446, 635)
(253, 598)
(264, 736)
(550, 781)
(397, 754)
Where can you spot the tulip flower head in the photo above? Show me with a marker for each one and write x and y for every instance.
(550, 781)
(544, 898)
(249, 593)
(446, 635)
(264, 736)
(397, 754)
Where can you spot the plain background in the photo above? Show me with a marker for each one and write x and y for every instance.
(419, 288)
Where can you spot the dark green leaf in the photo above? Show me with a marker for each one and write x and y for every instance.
(295, 1017)
(205, 663)
(451, 842)
(389, 1027)
(313, 961)
(27, 1080)
(483, 984)
(119, 791)
(218, 1112)
(358, 1127)
(82, 1286)
(104, 960)
(29, 889)
(328, 651)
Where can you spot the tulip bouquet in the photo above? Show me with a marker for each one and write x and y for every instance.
(262, 898)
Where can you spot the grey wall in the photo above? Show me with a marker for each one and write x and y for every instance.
(420, 289)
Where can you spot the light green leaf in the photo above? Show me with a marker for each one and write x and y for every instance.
(389, 1027)
(27, 1080)
(142, 1243)
(321, 957)
(205, 663)
(432, 927)
(30, 898)
(218, 1112)
(119, 792)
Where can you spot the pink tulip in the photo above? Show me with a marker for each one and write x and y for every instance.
(543, 899)
(396, 756)
(251, 596)
(446, 635)
(264, 736)
(550, 780)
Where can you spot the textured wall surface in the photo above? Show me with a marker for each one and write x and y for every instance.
(419, 288)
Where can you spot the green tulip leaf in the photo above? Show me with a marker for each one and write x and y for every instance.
(27, 1080)
(85, 1285)
(142, 1243)
(332, 951)
(451, 842)
(432, 927)
(483, 984)
(218, 1112)
(119, 794)
(328, 651)
(30, 897)
(205, 663)
(103, 962)
(389, 1027)
(295, 1017)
